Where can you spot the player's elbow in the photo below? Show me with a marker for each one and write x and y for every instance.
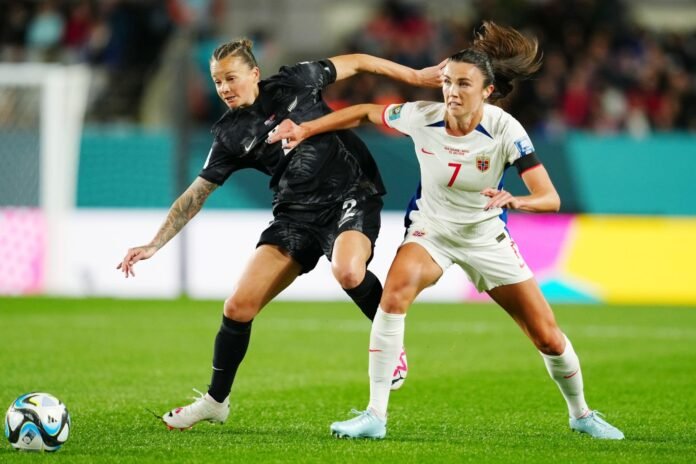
(554, 202)
(548, 200)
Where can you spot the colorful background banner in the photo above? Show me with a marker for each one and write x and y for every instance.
(575, 258)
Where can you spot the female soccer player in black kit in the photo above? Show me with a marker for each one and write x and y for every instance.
(326, 197)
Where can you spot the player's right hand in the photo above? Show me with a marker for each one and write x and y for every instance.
(133, 256)
(288, 133)
(432, 76)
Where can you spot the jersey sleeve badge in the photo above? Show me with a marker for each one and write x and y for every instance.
(524, 146)
(394, 112)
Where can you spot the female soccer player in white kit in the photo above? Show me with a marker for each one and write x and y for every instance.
(463, 147)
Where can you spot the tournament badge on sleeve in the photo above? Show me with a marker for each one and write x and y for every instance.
(524, 146)
(394, 112)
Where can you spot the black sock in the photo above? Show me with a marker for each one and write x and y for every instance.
(367, 295)
(230, 347)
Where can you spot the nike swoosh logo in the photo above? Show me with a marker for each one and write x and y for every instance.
(292, 105)
(571, 375)
(216, 369)
(375, 351)
(248, 147)
(423, 150)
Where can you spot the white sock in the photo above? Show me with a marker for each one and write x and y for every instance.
(565, 371)
(386, 340)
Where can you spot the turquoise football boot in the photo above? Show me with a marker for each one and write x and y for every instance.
(593, 425)
(365, 425)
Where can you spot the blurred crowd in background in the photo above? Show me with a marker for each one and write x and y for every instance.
(602, 71)
(122, 40)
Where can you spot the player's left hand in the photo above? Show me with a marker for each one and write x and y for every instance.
(133, 256)
(500, 199)
(288, 133)
(431, 76)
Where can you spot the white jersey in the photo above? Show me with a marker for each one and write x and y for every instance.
(454, 169)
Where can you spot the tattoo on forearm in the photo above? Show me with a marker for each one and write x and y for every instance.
(183, 209)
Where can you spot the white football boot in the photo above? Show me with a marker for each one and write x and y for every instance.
(400, 372)
(205, 408)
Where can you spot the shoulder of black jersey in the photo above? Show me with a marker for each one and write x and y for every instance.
(224, 120)
(286, 75)
(224, 130)
(299, 74)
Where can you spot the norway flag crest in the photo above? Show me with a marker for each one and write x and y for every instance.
(483, 163)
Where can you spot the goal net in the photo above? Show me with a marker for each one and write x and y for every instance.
(42, 109)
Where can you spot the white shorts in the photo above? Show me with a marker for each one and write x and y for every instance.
(485, 251)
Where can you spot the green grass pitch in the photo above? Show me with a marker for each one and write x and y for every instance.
(477, 390)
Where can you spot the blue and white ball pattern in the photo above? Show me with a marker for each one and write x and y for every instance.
(37, 422)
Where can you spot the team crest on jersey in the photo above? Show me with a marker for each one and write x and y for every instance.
(483, 162)
(395, 112)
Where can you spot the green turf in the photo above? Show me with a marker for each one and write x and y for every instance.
(477, 390)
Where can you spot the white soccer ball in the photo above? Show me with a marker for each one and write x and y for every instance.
(37, 422)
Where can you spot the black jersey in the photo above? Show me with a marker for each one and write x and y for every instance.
(322, 170)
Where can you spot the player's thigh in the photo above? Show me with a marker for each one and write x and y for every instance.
(269, 271)
(356, 230)
(525, 303)
(412, 270)
(351, 252)
(353, 239)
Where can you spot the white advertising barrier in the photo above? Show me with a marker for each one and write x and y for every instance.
(563, 250)
(93, 242)
(218, 243)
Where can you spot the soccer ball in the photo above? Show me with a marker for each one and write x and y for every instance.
(37, 422)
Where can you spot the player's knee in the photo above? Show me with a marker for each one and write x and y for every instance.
(394, 302)
(550, 342)
(240, 309)
(348, 276)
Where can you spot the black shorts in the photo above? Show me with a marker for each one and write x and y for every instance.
(307, 235)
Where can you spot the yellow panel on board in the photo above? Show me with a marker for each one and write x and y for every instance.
(635, 259)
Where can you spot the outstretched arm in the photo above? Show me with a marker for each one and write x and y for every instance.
(181, 212)
(349, 65)
(291, 134)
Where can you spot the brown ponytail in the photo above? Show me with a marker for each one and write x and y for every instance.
(241, 48)
(502, 54)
